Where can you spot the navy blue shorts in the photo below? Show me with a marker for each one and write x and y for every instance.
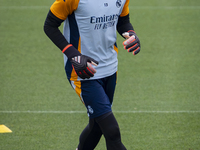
(97, 95)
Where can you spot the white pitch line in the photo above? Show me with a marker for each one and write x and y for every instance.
(45, 112)
(156, 112)
(164, 7)
(24, 7)
(81, 112)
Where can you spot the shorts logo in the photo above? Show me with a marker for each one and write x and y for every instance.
(118, 3)
(90, 110)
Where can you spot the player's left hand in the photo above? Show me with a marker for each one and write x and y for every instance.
(132, 42)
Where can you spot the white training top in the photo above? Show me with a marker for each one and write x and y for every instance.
(90, 26)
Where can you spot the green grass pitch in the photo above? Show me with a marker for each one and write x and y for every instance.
(157, 99)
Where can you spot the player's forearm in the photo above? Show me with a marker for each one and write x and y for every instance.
(52, 31)
(124, 25)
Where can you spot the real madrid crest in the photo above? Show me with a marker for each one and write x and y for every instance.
(118, 3)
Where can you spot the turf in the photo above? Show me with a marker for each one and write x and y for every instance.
(157, 99)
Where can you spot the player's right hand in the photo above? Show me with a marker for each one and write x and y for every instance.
(132, 42)
(83, 66)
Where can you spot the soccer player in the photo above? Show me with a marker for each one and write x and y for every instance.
(90, 57)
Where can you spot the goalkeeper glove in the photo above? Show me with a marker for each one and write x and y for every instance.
(82, 64)
(132, 42)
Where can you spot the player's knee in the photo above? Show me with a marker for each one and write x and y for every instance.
(113, 133)
(109, 127)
